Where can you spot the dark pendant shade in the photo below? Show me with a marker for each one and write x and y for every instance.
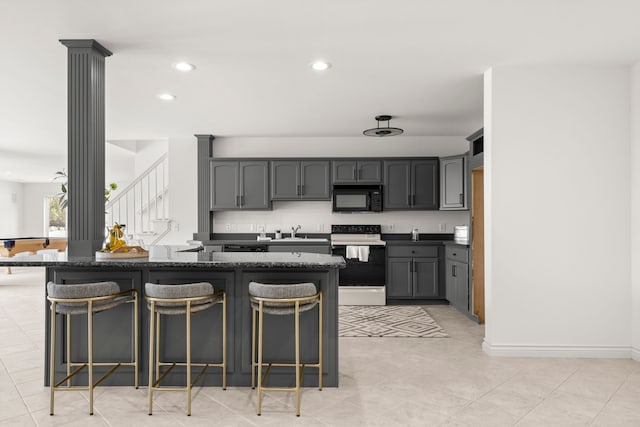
(383, 131)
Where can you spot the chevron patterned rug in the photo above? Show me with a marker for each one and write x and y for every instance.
(387, 321)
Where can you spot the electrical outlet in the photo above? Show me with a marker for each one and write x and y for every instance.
(442, 227)
(227, 227)
(391, 227)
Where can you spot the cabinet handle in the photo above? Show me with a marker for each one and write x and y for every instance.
(242, 200)
(298, 189)
(355, 174)
(302, 189)
(454, 271)
(461, 199)
(237, 200)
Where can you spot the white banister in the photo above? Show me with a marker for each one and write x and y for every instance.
(141, 204)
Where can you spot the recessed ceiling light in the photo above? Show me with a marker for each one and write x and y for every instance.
(184, 66)
(320, 65)
(166, 97)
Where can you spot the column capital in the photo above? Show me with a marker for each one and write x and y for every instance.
(205, 136)
(86, 43)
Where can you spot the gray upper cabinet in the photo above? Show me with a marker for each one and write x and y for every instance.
(315, 180)
(225, 185)
(411, 184)
(285, 183)
(300, 180)
(453, 183)
(239, 185)
(357, 171)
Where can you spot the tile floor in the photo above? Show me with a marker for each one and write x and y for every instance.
(383, 382)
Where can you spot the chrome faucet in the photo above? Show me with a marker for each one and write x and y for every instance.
(295, 230)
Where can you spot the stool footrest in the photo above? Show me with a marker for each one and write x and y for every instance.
(84, 365)
(164, 374)
(106, 375)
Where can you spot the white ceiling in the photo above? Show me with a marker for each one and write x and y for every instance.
(419, 60)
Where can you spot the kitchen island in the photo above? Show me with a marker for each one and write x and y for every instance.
(230, 272)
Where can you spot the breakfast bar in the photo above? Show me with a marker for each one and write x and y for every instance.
(230, 272)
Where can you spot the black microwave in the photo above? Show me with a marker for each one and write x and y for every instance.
(357, 198)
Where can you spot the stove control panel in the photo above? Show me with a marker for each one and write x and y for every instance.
(355, 229)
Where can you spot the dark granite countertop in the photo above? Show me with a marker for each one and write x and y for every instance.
(170, 256)
(302, 241)
(454, 243)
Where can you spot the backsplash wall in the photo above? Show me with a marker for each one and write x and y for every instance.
(317, 217)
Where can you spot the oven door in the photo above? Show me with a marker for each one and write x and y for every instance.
(357, 273)
(351, 200)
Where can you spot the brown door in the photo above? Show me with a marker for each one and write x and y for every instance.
(477, 242)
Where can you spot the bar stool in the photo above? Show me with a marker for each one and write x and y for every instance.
(181, 299)
(87, 298)
(283, 299)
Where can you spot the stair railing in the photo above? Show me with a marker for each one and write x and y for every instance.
(142, 202)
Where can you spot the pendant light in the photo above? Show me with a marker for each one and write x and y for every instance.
(383, 131)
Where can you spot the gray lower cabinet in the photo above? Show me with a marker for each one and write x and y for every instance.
(411, 184)
(453, 183)
(357, 171)
(457, 277)
(314, 249)
(412, 272)
(239, 185)
(300, 180)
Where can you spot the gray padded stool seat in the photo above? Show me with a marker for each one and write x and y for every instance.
(282, 299)
(87, 298)
(185, 299)
(189, 290)
(296, 290)
(85, 290)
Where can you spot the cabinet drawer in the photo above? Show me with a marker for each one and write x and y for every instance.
(412, 251)
(457, 253)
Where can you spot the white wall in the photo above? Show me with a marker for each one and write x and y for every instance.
(11, 200)
(183, 190)
(148, 151)
(558, 211)
(361, 146)
(119, 166)
(635, 209)
(317, 217)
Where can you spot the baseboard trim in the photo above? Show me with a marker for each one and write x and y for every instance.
(594, 352)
